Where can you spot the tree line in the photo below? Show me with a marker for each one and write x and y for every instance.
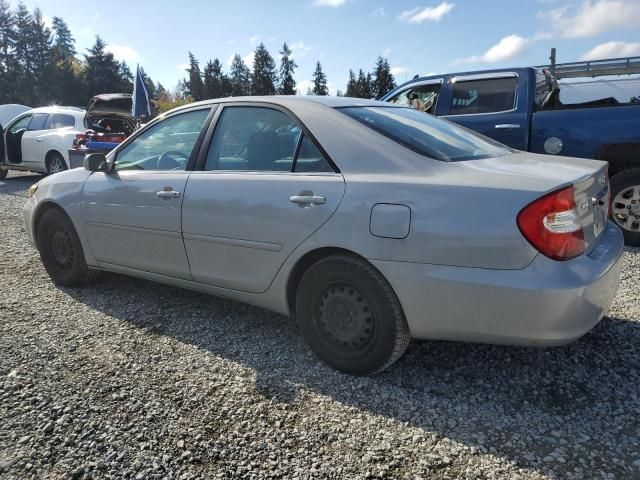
(266, 78)
(39, 65)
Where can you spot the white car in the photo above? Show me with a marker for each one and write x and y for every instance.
(38, 140)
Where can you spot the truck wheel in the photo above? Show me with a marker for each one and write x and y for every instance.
(625, 204)
(350, 316)
(55, 163)
(3, 174)
(61, 251)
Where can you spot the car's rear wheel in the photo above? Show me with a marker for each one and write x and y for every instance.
(350, 316)
(625, 204)
(55, 163)
(61, 251)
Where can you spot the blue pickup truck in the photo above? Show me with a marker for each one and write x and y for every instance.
(522, 108)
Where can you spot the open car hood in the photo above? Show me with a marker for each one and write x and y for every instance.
(109, 105)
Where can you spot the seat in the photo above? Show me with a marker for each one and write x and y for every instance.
(263, 150)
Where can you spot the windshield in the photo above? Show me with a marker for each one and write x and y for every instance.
(426, 134)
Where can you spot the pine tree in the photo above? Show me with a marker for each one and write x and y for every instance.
(7, 75)
(263, 77)
(126, 78)
(66, 69)
(151, 87)
(102, 70)
(21, 63)
(215, 81)
(195, 86)
(351, 85)
(319, 81)
(287, 84)
(339, 93)
(363, 85)
(63, 43)
(240, 77)
(383, 80)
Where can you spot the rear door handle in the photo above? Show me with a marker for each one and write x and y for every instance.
(168, 194)
(307, 199)
(38, 139)
(507, 126)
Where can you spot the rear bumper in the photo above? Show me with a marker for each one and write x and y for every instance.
(547, 303)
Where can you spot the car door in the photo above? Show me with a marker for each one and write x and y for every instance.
(489, 104)
(33, 140)
(132, 214)
(13, 138)
(263, 187)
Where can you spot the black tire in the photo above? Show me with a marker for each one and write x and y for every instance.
(621, 184)
(61, 251)
(3, 174)
(55, 163)
(350, 316)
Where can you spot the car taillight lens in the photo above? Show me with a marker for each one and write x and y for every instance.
(552, 225)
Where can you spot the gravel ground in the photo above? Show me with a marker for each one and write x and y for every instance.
(130, 379)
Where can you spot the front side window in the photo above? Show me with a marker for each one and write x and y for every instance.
(38, 121)
(60, 120)
(421, 97)
(167, 145)
(483, 96)
(426, 134)
(253, 138)
(20, 124)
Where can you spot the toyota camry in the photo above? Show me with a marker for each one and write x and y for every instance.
(369, 223)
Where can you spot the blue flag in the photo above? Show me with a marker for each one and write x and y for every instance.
(140, 102)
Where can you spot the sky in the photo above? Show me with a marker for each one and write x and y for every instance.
(417, 36)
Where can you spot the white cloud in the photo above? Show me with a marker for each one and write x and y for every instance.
(253, 40)
(427, 14)
(612, 50)
(386, 52)
(395, 71)
(329, 3)
(303, 85)
(507, 48)
(248, 59)
(299, 49)
(593, 17)
(123, 53)
(379, 13)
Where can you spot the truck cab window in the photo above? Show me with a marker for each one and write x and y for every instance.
(421, 97)
(483, 96)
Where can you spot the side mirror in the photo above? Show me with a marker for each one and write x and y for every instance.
(95, 162)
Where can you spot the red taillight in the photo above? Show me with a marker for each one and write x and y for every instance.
(551, 224)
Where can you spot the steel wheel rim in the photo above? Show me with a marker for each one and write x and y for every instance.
(56, 165)
(62, 248)
(346, 319)
(625, 209)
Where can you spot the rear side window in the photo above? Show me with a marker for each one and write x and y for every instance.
(483, 96)
(60, 120)
(426, 134)
(310, 159)
(38, 121)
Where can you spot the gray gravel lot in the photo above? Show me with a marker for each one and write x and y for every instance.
(130, 379)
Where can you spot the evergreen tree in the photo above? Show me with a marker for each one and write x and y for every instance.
(240, 77)
(126, 78)
(66, 71)
(339, 93)
(41, 57)
(263, 77)
(351, 85)
(7, 75)
(151, 87)
(63, 43)
(287, 84)
(215, 81)
(102, 70)
(383, 80)
(21, 62)
(319, 81)
(195, 85)
(363, 85)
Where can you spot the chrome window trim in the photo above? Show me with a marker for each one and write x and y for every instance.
(485, 76)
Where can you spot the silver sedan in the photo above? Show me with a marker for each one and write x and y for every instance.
(370, 223)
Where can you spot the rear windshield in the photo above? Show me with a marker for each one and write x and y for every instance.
(426, 134)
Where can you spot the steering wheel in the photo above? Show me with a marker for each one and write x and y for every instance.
(167, 162)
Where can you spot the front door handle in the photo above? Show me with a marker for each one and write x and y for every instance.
(38, 139)
(507, 126)
(168, 194)
(307, 199)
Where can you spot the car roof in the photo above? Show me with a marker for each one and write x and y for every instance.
(291, 101)
(57, 109)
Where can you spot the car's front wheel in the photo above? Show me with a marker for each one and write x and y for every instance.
(61, 251)
(625, 204)
(350, 316)
(55, 163)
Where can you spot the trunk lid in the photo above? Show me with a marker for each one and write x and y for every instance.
(113, 109)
